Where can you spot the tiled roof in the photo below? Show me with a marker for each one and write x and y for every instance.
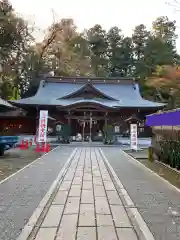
(124, 95)
(5, 104)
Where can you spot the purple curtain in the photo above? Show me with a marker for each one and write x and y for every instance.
(164, 119)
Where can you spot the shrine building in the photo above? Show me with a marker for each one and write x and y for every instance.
(84, 101)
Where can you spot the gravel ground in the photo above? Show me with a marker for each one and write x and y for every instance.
(21, 194)
(15, 159)
(158, 203)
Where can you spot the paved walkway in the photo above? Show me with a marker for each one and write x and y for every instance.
(88, 193)
(86, 205)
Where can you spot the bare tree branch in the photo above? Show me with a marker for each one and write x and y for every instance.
(175, 4)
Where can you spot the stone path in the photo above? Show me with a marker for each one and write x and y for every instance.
(86, 206)
(87, 199)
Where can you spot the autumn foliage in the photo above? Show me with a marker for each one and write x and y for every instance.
(165, 77)
(65, 51)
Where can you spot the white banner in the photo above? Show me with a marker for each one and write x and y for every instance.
(43, 120)
(117, 129)
(133, 136)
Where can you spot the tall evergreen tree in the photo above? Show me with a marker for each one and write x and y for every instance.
(139, 38)
(114, 51)
(97, 39)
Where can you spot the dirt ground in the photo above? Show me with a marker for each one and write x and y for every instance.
(15, 159)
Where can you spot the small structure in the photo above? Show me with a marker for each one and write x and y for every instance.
(87, 104)
(165, 118)
(166, 139)
(5, 109)
(5, 140)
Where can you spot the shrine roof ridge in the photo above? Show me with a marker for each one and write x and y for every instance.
(82, 79)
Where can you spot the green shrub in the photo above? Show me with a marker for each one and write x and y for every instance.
(170, 152)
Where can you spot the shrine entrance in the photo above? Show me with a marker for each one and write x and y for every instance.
(90, 129)
(87, 125)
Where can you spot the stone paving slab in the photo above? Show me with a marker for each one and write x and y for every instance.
(53, 216)
(72, 205)
(87, 185)
(87, 196)
(61, 197)
(113, 198)
(87, 215)
(126, 233)
(86, 233)
(67, 229)
(80, 212)
(106, 233)
(104, 220)
(101, 205)
(46, 234)
(120, 216)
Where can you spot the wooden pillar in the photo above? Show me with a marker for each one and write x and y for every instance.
(106, 114)
(69, 119)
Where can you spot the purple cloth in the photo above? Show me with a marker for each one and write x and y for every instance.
(164, 119)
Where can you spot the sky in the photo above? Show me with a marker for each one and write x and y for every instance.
(125, 14)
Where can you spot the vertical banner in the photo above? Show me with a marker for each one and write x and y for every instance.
(133, 136)
(43, 119)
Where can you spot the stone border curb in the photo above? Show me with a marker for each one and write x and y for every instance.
(29, 227)
(139, 224)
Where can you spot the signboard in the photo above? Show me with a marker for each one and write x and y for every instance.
(58, 128)
(116, 129)
(43, 119)
(133, 136)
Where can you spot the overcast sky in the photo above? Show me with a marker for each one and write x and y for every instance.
(124, 13)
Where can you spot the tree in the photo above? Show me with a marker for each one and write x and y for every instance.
(174, 3)
(98, 44)
(119, 53)
(166, 81)
(154, 48)
(94, 52)
(66, 51)
(15, 39)
(164, 32)
(139, 38)
(156, 53)
(165, 29)
(114, 38)
(127, 57)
